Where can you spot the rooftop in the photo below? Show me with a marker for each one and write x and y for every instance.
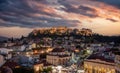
(58, 50)
(11, 64)
(43, 62)
(98, 57)
(117, 53)
(59, 55)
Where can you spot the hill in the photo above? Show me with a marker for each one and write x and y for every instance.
(3, 38)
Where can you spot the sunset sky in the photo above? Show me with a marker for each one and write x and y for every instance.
(20, 17)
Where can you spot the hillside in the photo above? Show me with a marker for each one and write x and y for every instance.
(85, 34)
(60, 31)
(3, 38)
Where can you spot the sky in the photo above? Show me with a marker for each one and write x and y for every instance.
(20, 17)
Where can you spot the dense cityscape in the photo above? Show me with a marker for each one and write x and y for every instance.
(59, 36)
(60, 50)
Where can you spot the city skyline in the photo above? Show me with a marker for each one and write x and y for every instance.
(20, 17)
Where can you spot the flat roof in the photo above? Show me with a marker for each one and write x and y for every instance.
(100, 57)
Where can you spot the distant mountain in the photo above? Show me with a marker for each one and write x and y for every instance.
(3, 38)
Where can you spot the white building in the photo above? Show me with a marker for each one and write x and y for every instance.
(6, 52)
(2, 61)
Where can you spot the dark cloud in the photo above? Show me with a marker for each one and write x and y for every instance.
(22, 13)
(36, 21)
(21, 7)
(112, 20)
(41, 24)
(87, 11)
(83, 10)
(2, 1)
(115, 3)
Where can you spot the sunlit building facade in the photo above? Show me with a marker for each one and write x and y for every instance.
(99, 64)
(117, 63)
(58, 57)
(38, 67)
(98, 67)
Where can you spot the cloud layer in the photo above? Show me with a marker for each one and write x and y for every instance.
(48, 13)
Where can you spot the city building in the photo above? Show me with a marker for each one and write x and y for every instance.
(6, 52)
(41, 50)
(86, 32)
(8, 67)
(38, 67)
(58, 56)
(2, 61)
(117, 63)
(99, 64)
(117, 59)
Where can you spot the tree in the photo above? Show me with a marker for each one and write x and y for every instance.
(47, 70)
